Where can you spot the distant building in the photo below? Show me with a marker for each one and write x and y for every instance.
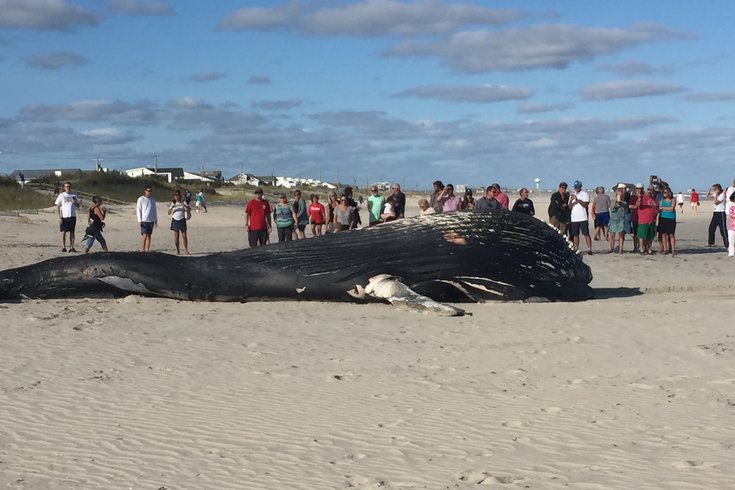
(171, 173)
(248, 179)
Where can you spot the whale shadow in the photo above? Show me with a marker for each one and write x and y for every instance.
(610, 293)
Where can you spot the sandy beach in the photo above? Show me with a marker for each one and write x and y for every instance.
(634, 389)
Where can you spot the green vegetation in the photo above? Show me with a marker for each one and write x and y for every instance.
(15, 198)
(116, 186)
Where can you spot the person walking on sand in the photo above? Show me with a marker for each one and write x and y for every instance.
(200, 202)
(96, 224)
(302, 216)
(285, 218)
(317, 215)
(178, 210)
(145, 211)
(67, 204)
(694, 200)
(718, 215)
(680, 201)
(580, 222)
(258, 219)
(331, 205)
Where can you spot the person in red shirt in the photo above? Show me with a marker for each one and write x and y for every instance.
(694, 200)
(317, 215)
(500, 196)
(258, 219)
(647, 212)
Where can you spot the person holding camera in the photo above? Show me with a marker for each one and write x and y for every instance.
(718, 215)
(179, 210)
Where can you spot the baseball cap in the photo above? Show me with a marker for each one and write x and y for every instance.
(577, 184)
(563, 184)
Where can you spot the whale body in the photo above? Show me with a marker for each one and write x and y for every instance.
(414, 262)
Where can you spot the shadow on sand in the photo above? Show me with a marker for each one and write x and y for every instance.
(610, 293)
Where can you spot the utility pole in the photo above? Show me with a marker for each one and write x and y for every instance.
(201, 172)
(99, 167)
(155, 163)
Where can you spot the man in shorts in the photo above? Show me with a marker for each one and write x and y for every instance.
(145, 210)
(559, 209)
(258, 219)
(67, 204)
(578, 202)
(647, 213)
(317, 215)
(302, 215)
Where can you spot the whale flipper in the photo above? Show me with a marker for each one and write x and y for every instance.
(391, 289)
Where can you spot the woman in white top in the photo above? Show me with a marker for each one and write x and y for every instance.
(179, 211)
(718, 215)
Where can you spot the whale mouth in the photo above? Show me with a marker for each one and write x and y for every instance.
(125, 284)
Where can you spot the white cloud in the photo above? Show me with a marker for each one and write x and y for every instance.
(628, 89)
(55, 61)
(543, 46)
(109, 136)
(43, 15)
(187, 102)
(367, 18)
(477, 94)
(536, 107)
(118, 112)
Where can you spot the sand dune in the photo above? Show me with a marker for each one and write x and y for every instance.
(634, 389)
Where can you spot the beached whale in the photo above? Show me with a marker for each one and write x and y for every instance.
(414, 262)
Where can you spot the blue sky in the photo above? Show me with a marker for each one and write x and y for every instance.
(412, 91)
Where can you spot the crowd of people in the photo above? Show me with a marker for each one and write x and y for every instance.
(642, 212)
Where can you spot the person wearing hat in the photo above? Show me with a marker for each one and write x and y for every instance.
(617, 225)
(258, 219)
(436, 196)
(578, 203)
(559, 209)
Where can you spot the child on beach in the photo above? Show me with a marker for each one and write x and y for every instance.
(389, 213)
